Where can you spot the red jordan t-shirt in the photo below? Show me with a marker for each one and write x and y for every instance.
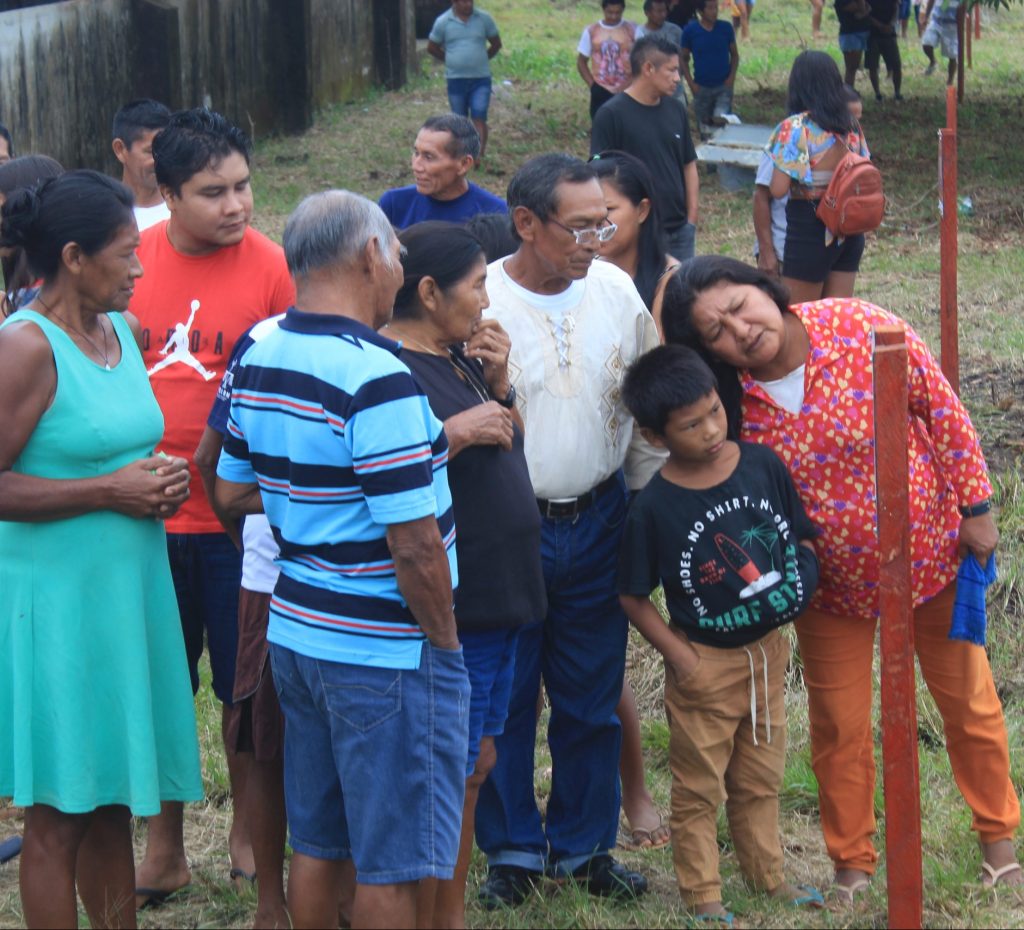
(192, 310)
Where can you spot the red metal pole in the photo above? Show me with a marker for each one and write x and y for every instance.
(901, 777)
(977, 20)
(948, 312)
(951, 105)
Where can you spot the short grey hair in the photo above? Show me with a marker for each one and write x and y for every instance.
(332, 228)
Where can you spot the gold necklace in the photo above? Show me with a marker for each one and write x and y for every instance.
(448, 354)
(416, 342)
(66, 325)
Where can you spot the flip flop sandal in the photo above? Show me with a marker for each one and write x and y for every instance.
(847, 894)
(811, 897)
(640, 840)
(995, 876)
(10, 848)
(728, 919)
(155, 897)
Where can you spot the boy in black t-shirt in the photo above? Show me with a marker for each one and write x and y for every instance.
(722, 529)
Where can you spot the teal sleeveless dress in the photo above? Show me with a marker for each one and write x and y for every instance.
(95, 701)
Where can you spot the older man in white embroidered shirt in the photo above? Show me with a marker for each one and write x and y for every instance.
(575, 325)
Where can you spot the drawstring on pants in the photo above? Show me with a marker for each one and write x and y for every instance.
(753, 695)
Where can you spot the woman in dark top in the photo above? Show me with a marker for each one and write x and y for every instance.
(461, 362)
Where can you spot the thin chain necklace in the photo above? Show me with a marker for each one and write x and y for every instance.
(66, 325)
(468, 377)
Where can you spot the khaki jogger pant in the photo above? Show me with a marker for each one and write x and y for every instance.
(727, 743)
(837, 654)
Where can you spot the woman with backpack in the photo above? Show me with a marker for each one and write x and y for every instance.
(797, 377)
(805, 149)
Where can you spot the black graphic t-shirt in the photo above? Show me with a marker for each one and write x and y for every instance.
(728, 557)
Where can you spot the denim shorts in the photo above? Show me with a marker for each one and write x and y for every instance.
(470, 97)
(853, 41)
(207, 573)
(374, 762)
(491, 664)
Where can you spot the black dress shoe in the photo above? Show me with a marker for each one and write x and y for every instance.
(605, 877)
(507, 886)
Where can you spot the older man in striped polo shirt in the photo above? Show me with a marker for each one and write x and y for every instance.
(329, 433)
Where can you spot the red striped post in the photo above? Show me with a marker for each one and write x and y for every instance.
(950, 338)
(901, 778)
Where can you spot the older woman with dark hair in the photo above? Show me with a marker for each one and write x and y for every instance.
(799, 380)
(461, 362)
(95, 700)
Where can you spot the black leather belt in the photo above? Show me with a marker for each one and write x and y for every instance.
(569, 509)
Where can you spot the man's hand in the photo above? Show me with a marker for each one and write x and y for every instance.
(682, 659)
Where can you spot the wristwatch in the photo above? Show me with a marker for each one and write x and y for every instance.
(509, 400)
(976, 510)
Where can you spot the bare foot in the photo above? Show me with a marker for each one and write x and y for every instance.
(647, 828)
(272, 919)
(1000, 864)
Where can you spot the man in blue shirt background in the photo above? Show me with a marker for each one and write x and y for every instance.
(466, 40)
(445, 150)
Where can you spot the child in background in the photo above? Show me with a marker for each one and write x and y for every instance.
(712, 43)
(722, 529)
(942, 31)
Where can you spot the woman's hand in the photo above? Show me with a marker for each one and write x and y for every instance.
(491, 345)
(487, 424)
(152, 487)
(979, 536)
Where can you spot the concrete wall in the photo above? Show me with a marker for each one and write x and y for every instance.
(66, 67)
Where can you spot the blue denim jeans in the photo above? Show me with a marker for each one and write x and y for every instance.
(580, 648)
(207, 573)
(374, 762)
(470, 97)
(682, 242)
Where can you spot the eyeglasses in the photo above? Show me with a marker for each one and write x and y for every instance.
(600, 233)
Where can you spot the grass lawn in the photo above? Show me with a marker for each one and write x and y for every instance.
(540, 104)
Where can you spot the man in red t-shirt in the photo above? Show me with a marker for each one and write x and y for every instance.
(208, 278)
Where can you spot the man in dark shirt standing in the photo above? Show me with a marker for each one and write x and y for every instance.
(649, 123)
(884, 44)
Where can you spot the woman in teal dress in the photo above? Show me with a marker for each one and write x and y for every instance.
(96, 713)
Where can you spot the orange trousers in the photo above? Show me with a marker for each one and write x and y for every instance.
(837, 655)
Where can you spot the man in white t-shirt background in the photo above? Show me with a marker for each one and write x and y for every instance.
(135, 125)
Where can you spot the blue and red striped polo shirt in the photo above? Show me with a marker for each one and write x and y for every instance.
(342, 442)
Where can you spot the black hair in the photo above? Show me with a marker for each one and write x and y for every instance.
(632, 179)
(816, 87)
(851, 95)
(535, 184)
(663, 380)
(5, 133)
(25, 171)
(605, 3)
(446, 252)
(192, 141)
(699, 5)
(494, 233)
(649, 3)
(84, 207)
(465, 140)
(136, 118)
(647, 47)
(689, 281)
